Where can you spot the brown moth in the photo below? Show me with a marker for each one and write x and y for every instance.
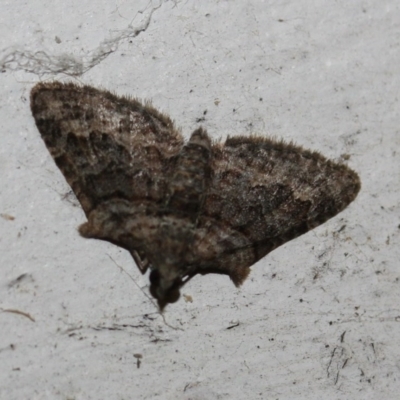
(183, 208)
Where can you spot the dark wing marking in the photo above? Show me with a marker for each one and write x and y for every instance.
(106, 146)
(263, 194)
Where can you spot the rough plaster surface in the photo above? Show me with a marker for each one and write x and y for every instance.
(318, 318)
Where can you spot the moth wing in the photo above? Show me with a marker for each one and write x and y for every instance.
(264, 193)
(106, 146)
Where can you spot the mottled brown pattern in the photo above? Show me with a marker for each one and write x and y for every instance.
(183, 208)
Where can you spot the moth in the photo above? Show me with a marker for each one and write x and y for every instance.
(183, 208)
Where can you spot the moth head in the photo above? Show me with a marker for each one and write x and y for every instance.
(164, 289)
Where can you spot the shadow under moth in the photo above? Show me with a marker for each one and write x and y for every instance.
(179, 208)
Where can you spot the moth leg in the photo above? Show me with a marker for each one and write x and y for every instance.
(187, 278)
(192, 272)
(140, 259)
